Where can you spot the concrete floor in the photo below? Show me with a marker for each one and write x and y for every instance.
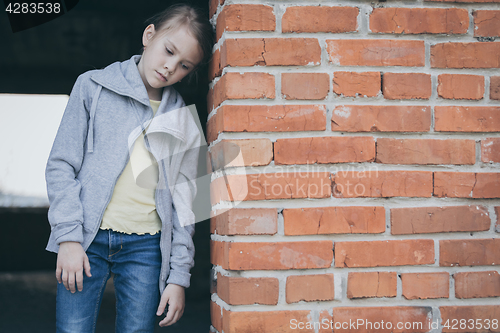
(27, 305)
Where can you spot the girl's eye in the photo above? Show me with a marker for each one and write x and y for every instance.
(185, 67)
(170, 52)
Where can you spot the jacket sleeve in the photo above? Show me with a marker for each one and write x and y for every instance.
(65, 159)
(182, 250)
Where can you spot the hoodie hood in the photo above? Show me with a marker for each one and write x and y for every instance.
(124, 78)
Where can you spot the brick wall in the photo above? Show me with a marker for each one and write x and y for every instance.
(368, 185)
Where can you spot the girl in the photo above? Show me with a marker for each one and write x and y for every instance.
(120, 181)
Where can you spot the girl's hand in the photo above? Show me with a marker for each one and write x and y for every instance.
(71, 261)
(174, 296)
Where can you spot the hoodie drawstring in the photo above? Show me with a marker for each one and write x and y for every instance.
(90, 134)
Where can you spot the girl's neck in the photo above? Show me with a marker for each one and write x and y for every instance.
(155, 95)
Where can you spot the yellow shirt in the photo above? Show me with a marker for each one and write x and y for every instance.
(132, 208)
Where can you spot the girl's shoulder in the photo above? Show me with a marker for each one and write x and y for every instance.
(84, 83)
(88, 74)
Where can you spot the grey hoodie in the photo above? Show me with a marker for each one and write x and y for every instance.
(106, 112)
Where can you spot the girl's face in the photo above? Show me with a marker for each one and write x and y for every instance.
(167, 58)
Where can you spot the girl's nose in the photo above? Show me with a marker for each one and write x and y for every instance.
(169, 67)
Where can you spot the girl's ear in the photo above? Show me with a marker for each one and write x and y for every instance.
(149, 32)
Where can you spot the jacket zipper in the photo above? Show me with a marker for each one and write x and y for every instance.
(110, 192)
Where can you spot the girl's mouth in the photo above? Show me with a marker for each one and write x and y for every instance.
(161, 77)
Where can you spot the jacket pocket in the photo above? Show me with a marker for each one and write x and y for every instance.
(93, 196)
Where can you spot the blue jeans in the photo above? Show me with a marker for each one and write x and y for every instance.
(135, 261)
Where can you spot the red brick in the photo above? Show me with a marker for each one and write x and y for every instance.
(369, 317)
(268, 186)
(425, 151)
(320, 19)
(406, 86)
(244, 17)
(372, 284)
(270, 52)
(242, 86)
(305, 85)
(334, 220)
(214, 68)
(354, 84)
(490, 150)
(467, 185)
(213, 284)
(216, 316)
(324, 150)
(210, 100)
(422, 220)
(219, 253)
(486, 23)
(236, 153)
(246, 221)
(325, 317)
(214, 222)
(384, 253)
(477, 284)
(495, 87)
(460, 86)
(469, 252)
(420, 20)
(467, 118)
(309, 288)
(266, 118)
(267, 321)
(242, 52)
(425, 285)
(272, 255)
(239, 291)
(497, 226)
(382, 184)
(465, 55)
(481, 315)
(376, 52)
(212, 7)
(381, 118)
(454, 184)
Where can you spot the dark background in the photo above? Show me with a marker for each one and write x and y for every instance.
(47, 59)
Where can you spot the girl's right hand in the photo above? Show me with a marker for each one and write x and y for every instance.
(71, 262)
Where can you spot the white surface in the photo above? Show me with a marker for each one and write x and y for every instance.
(28, 125)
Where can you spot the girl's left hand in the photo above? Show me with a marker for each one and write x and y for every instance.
(174, 296)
